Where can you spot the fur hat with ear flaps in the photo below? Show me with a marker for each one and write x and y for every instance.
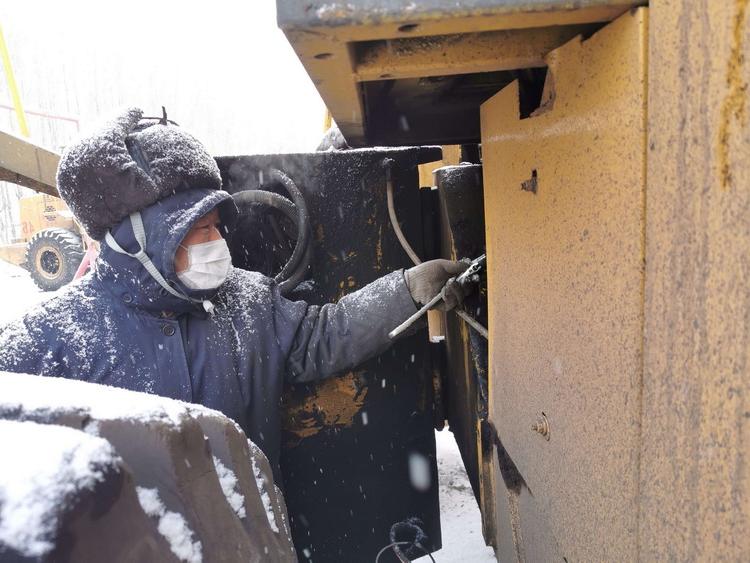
(128, 165)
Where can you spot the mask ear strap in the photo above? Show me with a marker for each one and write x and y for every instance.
(140, 236)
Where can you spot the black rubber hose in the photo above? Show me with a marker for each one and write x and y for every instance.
(303, 223)
(295, 269)
(253, 197)
(249, 197)
(298, 274)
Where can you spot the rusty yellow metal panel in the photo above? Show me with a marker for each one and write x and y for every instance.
(564, 207)
(459, 53)
(695, 460)
(451, 157)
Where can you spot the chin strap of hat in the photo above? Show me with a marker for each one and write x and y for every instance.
(140, 236)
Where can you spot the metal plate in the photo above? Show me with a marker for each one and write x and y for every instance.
(564, 204)
(350, 441)
(695, 475)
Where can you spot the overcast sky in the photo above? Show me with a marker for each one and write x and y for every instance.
(222, 68)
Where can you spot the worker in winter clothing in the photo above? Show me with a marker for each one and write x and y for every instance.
(165, 312)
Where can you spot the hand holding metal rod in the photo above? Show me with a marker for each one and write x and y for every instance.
(474, 268)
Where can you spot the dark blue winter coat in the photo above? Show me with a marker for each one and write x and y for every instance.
(118, 327)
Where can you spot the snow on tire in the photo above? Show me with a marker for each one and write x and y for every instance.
(101, 473)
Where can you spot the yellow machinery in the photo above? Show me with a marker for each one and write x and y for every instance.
(50, 245)
(615, 153)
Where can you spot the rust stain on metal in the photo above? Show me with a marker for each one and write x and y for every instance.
(733, 108)
(346, 286)
(334, 403)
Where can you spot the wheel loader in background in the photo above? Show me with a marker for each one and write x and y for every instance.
(51, 244)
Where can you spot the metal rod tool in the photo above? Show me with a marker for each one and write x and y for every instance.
(474, 268)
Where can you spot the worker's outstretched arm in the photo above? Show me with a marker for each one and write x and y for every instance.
(338, 336)
(324, 341)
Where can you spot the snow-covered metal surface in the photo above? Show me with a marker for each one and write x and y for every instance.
(328, 13)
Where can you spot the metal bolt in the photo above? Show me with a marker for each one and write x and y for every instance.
(541, 426)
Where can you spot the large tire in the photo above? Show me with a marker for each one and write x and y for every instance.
(95, 473)
(52, 257)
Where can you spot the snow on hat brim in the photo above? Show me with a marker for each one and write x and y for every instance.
(100, 180)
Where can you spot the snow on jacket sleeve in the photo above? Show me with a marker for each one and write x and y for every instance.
(323, 341)
(19, 349)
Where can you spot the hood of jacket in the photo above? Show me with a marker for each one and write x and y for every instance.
(166, 223)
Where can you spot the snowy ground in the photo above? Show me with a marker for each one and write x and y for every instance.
(460, 519)
(18, 292)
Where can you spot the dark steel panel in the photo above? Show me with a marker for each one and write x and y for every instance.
(348, 440)
(462, 209)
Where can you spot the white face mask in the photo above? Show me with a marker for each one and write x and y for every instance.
(209, 264)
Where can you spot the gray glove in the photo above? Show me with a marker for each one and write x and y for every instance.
(426, 280)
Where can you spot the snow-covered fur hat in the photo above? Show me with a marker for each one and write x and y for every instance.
(128, 165)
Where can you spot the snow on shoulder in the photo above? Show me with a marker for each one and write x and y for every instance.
(50, 465)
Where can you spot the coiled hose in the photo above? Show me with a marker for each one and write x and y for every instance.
(295, 209)
(388, 165)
